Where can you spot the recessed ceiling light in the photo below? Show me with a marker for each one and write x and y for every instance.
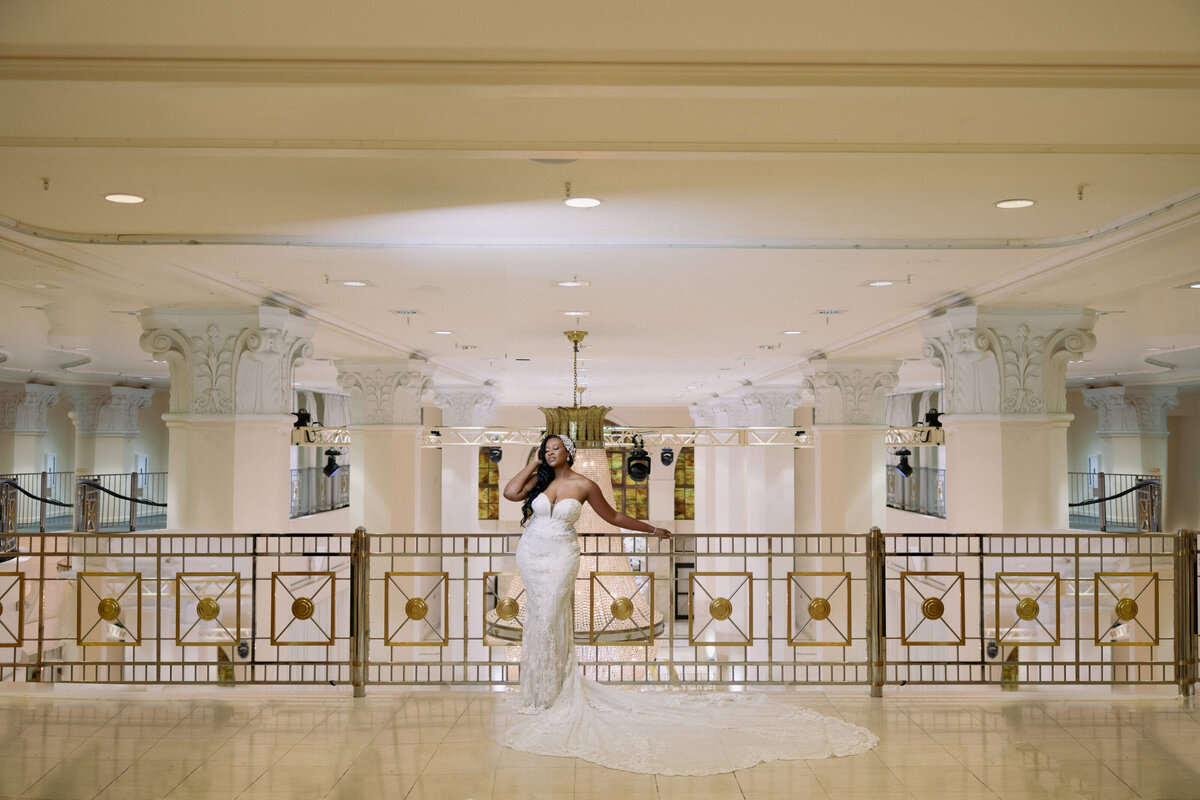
(444, 333)
(792, 333)
(1195, 285)
(577, 313)
(827, 312)
(582, 202)
(881, 283)
(128, 199)
(691, 387)
(1016, 202)
(46, 286)
(354, 283)
(571, 283)
(522, 359)
(406, 312)
(1153, 349)
(466, 347)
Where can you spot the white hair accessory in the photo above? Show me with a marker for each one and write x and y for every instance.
(567, 443)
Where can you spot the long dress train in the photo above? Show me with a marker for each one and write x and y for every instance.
(667, 733)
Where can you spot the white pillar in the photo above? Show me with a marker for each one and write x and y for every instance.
(385, 441)
(106, 423)
(462, 407)
(851, 482)
(1133, 428)
(771, 471)
(1004, 370)
(230, 412)
(23, 428)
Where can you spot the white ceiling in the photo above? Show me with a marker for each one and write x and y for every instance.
(759, 163)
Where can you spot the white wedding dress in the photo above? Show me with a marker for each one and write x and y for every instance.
(664, 732)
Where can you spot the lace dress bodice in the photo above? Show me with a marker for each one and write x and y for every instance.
(665, 732)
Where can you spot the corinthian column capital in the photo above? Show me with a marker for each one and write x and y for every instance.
(1126, 410)
(850, 391)
(384, 391)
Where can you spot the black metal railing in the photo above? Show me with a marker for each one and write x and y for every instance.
(923, 492)
(36, 502)
(1114, 501)
(132, 501)
(313, 492)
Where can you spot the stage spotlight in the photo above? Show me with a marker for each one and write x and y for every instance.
(331, 465)
(495, 454)
(667, 457)
(904, 468)
(637, 464)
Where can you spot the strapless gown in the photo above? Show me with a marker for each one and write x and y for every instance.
(666, 732)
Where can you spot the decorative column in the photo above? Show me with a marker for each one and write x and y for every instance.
(106, 423)
(230, 412)
(1133, 429)
(462, 407)
(851, 484)
(1004, 370)
(771, 471)
(385, 441)
(23, 427)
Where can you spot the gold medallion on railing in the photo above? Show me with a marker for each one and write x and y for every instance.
(1126, 609)
(622, 608)
(720, 609)
(827, 622)
(303, 608)
(208, 609)
(199, 624)
(1028, 609)
(933, 608)
(116, 618)
(941, 598)
(424, 598)
(416, 608)
(1028, 597)
(1133, 600)
(727, 618)
(508, 608)
(108, 609)
(819, 608)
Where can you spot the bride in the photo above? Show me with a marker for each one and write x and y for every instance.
(668, 733)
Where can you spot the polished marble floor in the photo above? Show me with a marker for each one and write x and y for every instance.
(68, 743)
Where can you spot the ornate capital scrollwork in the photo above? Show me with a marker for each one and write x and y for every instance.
(384, 392)
(226, 361)
(850, 391)
(108, 409)
(1001, 360)
(464, 406)
(1132, 409)
(771, 406)
(23, 408)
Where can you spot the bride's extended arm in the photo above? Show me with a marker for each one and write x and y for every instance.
(522, 482)
(613, 517)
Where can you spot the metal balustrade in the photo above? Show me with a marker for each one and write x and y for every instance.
(1134, 502)
(923, 492)
(126, 501)
(867, 609)
(314, 492)
(36, 502)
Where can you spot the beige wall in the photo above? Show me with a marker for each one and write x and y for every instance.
(1082, 438)
(60, 439)
(1183, 464)
(152, 438)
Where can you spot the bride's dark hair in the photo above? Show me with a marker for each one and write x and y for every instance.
(545, 474)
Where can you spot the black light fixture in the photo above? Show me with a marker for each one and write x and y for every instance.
(904, 468)
(303, 418)
(495, 454)
(933, 418)
(637, 464)
(667, 457)
(331, 465)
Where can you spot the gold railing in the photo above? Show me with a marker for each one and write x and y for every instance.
(356, 609)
